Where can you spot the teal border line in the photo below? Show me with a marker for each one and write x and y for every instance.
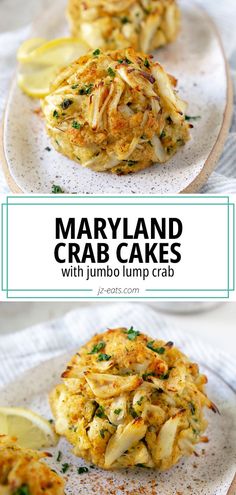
(53, 203)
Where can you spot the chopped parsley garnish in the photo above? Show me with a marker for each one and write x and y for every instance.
(57, 189)
(100, 412)
(192, 408)
(23, 490)
(76, 125)
(48, 149)
(133, 413)
(75, 86)
(125, 20)
(98, 347)
(55, 114)
(59, 456)
(66, 103)
(86, 90)
(146, 63)
(163, 134)
(164, 376)
(102, 433)
(103, 357)
(139, 402)
(96, 52)
(82, 470)
(111, 72)
(65, 467)
(51, 421)
(158, 350)
(189, 117)
(132, 334)
(146, 375)
(117, 411)
(130, 163)
(121, 60)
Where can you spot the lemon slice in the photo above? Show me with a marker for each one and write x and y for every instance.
(28, 47)
(36, 82)
(41, 61)
(60, 51)
(31, 430)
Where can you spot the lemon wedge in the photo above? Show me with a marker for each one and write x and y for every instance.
(28, 47)
(31, 430)
(41, 60)
(36, 82)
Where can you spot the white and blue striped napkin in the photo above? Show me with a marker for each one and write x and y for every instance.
(26, 349)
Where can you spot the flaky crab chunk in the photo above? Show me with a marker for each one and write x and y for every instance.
(116, 24)
(146, 409)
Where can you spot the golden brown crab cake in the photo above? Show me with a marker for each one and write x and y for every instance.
(127, 400)
(23, 473)
(116, 24)
(116, 111)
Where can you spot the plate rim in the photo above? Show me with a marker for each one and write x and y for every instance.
(209, 164)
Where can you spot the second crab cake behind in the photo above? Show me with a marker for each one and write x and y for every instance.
(111, 24)
(116, 111)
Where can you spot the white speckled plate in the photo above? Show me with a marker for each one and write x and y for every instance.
(211, 473)
(196, 59)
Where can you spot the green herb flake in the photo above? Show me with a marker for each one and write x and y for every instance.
(75, 86)
(122, 60)
(133, 413)
(98, 347)
(139, 402)
(111, 72)
(100, 412)
(125, 20)
(55, 114)
(66, 103)
(158, 350)
(102, 433)
(82, 470)
(146, 63)
(195, 117)
(65, 467)
(104, 357)
(164, 376)
(117, 411)
(146, 375)
(192, 408)
(132, 334)
(59, 456)
(86, 90)
(57, 189)
(96, 52)
(163, 134)
(23, 490)
(76, 125)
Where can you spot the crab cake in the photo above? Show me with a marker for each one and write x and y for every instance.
(23, 473)
(116, 111)
(127, 400)
(110, 24)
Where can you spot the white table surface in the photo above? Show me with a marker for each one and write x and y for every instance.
(217, 326)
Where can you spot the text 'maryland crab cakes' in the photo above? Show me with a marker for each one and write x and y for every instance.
(116, 24)
(128, 400)
(116, 111)
(23, 473)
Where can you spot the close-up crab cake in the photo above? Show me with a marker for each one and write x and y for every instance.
(116, 111)
(115, 24)
(22, 471)
(128, 400)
